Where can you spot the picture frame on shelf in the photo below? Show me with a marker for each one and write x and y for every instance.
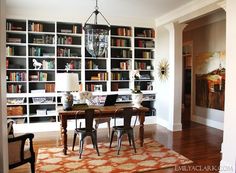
(97, 88)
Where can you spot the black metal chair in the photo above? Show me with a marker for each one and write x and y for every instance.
(19, 152)
(88, 130)
(126, 115)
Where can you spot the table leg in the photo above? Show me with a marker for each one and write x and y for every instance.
(64, 133)
(141, 128)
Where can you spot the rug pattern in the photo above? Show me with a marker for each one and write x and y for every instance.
(152, 156)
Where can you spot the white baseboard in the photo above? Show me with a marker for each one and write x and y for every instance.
(208, 122)
(162, 122)
(166, 124)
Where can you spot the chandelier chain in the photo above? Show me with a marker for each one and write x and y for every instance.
(96, 7)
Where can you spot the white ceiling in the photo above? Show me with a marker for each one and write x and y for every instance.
(141, 9)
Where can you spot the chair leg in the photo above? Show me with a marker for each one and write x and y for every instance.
(96, 125)
(112, 134)
(94, 135)
(93, 140)
(129, 138)
(131, 134)
(81, 147)
(32, 165)
(74, 141)
(109, 129)
(119, 145)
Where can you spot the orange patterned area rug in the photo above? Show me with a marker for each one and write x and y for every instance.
(152, 156)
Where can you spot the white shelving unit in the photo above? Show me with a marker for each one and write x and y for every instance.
(59, 46)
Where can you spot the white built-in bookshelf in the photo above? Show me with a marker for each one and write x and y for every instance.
(31, 95)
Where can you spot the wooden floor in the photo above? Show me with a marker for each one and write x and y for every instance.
(199, 143)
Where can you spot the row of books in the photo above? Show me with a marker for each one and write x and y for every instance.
(64, 40)
(74, 30)
(124, 65)
(35, 51)
(13, 27)
(100, 76)
(10, 51)
(90, 64)
(73, 65)
(124, 53)
(120, 42)
(48, 64)
(49, 88)
(144, 54)
(39, 76)
(14, 40)
(145, 33)
(48, 39)
(17, 76)
(36, 27)
(65, 52)
(141, 65)
(14, 88)
(122, 32)
(145, 43)
(119, 76)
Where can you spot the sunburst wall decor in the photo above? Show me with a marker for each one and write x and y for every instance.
(163, 69)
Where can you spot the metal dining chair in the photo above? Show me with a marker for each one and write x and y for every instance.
(126, 115)
(88, 130)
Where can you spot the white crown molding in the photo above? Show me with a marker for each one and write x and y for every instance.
(222, 4)
(188, 11)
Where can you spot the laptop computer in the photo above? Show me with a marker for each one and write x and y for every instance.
(110, 99)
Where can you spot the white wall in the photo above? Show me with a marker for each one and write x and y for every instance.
(3, 129)
(163, 87)
(207, 38)
(229, 138)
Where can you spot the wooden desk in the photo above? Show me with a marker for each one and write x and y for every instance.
(107, 111)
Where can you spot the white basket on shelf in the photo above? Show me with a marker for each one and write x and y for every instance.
(42, 99)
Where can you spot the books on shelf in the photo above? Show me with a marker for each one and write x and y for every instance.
(10, 51)
(49, 88)
(14, 40)
(14, 88)
(36, 27)
(17, 76)
(122, 31)
(13, 27)
(40, 76)
(66, 31)
(48, 64)
(100, 76)
(120, 42)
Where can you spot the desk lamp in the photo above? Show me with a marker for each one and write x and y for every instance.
(67, 82)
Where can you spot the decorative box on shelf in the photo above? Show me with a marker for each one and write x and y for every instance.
(15, 110)
(41, 111)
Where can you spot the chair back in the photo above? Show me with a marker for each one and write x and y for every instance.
(10, 129)
(89, 115)
(126, 114)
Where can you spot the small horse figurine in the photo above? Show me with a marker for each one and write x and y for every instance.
(36, 64)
